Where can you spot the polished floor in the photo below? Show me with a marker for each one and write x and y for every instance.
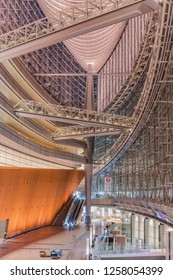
(28, 246)
(73, 243)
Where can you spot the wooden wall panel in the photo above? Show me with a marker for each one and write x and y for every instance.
(30, 198)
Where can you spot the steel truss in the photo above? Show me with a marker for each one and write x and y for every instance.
(145, 172)
(34, 109)
(84, 131)
(139, 69)
(140, 66)
(148, 209)
(160, 37)
(92, 9)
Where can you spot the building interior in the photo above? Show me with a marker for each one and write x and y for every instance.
(86, 129)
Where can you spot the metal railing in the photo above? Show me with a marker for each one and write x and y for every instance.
(128, 249)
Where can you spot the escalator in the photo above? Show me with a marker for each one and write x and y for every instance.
(78, 211)
(74, 212)
(60, 217)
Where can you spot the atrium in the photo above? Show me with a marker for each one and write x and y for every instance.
(86, 123)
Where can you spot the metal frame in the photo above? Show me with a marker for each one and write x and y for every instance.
(130, 90)
(139, 69)
(147, 209)
(34, 109)
(161, 44)
(83, 131)
(63, 19)
(145, 171)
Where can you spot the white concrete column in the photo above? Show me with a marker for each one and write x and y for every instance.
(141, 229)
(146, 233)
(87, 248)
(133, 240)
(109, 212)
(151, 233)
(135, 230)
(162, 236)
(103, 212)
(106, 213)
(156, 234)
(165, 232)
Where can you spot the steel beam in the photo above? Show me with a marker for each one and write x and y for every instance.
(161, 52)
(80, 74)
(71, 115)
(43, 33)
(84, 131)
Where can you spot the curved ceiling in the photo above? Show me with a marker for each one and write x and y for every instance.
(91, 48)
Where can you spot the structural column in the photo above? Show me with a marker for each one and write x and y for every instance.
(146, 232)
(88, 178)
(131, 227)
(162, 236)
(89, 105)
(151, 233)
(141, 229)
(156, 234)
(134, 229)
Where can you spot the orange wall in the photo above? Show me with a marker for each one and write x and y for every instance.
(30, 198)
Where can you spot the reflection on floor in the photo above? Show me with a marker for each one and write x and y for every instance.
(74, 244)
(28, 246)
